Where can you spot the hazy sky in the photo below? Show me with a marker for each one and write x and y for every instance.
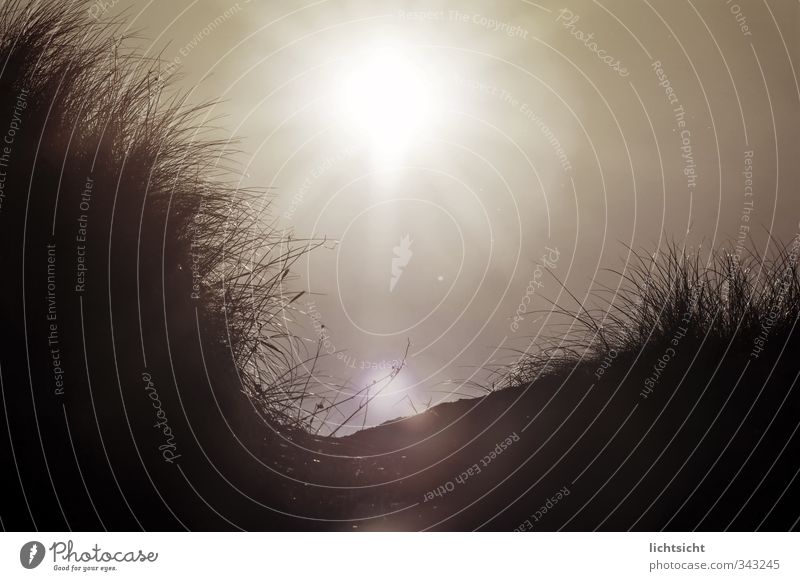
(451, 147)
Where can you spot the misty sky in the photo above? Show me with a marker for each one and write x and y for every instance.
(549, 135)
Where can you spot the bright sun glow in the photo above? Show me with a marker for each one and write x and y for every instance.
(390, 101)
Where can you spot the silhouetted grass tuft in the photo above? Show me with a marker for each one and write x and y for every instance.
(162, 186)
(731, 299)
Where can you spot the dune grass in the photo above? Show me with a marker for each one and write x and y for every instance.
(726, 299)
(97, 108)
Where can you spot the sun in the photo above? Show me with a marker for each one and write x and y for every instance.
(389, 100)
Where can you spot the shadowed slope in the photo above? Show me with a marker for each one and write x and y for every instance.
(124, 245)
